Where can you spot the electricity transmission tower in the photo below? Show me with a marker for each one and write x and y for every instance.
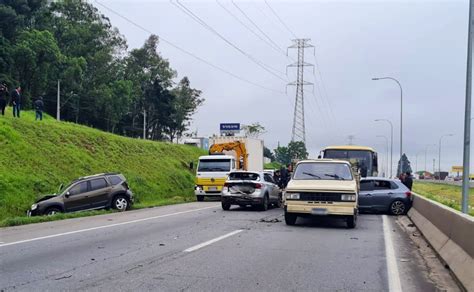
(299, 132)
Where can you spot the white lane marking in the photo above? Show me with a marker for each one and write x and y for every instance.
(209, 242)
(394, 284)
(104, 226)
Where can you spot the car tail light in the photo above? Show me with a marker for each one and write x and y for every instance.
(408, 194)
(258, 186)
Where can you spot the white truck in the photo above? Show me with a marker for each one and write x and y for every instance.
(226, 154)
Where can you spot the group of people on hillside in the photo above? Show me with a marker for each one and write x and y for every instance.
(15, 102)
(282, 176)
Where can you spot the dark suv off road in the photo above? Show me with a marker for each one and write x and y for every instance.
(107, 190)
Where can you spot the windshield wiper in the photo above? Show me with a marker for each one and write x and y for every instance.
(334, 176)
(312, 175)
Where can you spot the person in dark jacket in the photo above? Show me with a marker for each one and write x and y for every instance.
(284, 175)
(408, 181)
(3, 97)
(39, 105)
(16, 101)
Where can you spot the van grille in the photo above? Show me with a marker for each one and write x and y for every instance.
(329, 197)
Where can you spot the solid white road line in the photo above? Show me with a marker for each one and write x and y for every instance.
(103, 227)
(394, 284)
(209, 242)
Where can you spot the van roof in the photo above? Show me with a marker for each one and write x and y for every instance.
(350, 147)
(325, 160)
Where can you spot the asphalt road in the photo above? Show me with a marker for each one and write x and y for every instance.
(199, 247)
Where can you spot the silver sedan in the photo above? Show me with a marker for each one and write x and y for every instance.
(250, 188)
(379, 194)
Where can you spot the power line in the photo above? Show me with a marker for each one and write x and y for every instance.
(187, 52)
(196, 18)
(249, 29)
(257, 27)
(281, 20)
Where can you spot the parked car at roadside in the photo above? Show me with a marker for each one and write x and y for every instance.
(379, 194)
(107, 190)
(245, 188)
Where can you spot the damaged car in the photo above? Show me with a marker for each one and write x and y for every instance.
(100, 191)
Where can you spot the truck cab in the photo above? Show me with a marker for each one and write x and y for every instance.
(212, 172)
(322, 187)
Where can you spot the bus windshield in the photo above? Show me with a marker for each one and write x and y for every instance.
(214, 165)
(362, 157)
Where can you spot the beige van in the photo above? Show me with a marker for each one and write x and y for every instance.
(322, 187)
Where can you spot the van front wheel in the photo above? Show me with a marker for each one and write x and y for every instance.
(290, 219)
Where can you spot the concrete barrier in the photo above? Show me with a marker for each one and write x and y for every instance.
(450, 233)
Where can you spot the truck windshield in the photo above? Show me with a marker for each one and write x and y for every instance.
(214, 165)
(362, 157)
(323, 171)
(244, 176)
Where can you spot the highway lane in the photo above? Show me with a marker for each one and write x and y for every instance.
(199, 247)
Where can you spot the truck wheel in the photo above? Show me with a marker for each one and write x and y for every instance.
(225, 206)
(200, 198)
(290, 219)
(351, 221)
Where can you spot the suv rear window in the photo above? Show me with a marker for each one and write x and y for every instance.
(97, 184)
(115, 180)
(244, 176)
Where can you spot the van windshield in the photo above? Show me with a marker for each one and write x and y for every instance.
(323, 171)
(214, 165)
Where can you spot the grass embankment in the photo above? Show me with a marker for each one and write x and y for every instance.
(448, 195)
(36, 157)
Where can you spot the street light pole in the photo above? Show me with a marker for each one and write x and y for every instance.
(386, 145)
(439, 154)
(426, 154)
(401, 117)
(391, 142)
(467, 115)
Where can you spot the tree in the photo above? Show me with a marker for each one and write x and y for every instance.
(254, 130)
(268, 154)
(297, 150)
(282, 155)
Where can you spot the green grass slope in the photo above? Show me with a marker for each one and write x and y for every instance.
(36, 157)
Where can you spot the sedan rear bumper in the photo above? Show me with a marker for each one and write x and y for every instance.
(241, 200)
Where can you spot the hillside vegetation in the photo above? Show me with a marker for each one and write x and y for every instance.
(36, 157)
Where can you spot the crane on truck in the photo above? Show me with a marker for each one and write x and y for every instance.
(237, 146)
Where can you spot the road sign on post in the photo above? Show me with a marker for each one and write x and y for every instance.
(229, 129)
(456, 169)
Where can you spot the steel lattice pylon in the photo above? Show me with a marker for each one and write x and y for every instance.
(299, 131)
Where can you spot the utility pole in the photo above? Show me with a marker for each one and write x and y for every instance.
(467, 115)
(351, 139)
(144, 124)
(58, 102)
(299, 131)
(434, 169)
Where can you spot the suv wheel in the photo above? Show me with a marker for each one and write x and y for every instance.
(279, 202)
(225, 206)
(265, 203)
(52, 211)
(200, 198)
(290, 219)
(397, 207)
(120, 203)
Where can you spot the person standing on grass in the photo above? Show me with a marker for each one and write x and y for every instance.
(3, 98)
(39, 105)
(16, 101)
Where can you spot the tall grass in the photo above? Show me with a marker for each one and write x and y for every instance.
(37, 156)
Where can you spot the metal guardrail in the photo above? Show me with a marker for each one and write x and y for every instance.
(450, 233)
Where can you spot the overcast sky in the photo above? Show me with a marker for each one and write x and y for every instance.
(421, 43)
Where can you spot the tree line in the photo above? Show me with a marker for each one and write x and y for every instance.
(103, 85)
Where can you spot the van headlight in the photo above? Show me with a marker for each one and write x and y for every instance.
(292, 196)
(34, 207)
(348, 198)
